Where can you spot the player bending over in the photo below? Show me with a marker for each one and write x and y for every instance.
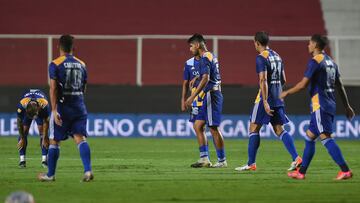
(33, 106)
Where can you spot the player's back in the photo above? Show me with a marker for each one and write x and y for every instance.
(71, 76)
(271, 62)
(322, 83)
(211, 63)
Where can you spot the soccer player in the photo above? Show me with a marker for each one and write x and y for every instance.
(268, 107)
(322, 75)
(33, 106)
(191, 81)
(209, 113)
(68, 78)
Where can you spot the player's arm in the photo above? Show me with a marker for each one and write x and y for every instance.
(283, 77)
(312, 67)
(53, 101)
(185, 89)
(297, 88)
(53, 93)
(203, 82)
(45, 139)
(265, 91)
(20, 126)
(344, 98)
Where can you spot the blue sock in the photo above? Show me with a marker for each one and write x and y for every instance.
(53, 156)
(289, 144)
(85, 155)
(335, 152)
(254, 143)
(23, 150)
(204, 151)
(221, 155)
(309, 152)
(44, 151)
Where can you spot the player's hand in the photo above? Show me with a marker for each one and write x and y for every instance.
(189, 101)
(183, 106)
(349, 113)
(283, 95)
(268, 110)
(192, 82)
(57, 118)
(21, 144)
(45, 142)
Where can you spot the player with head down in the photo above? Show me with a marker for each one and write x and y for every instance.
(209, 88)
(68, 78)
(33, 106)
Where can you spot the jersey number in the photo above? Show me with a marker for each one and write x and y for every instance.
(330, 74)
(276, 70)
(73, 78)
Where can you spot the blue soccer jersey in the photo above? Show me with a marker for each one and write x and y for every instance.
(270, 62)
(210, 65)
(71, 76)
(37, 96)
(322, 73)
(191, 71)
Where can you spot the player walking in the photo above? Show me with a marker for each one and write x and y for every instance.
(323, 76)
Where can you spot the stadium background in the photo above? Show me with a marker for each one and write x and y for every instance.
(124, 85)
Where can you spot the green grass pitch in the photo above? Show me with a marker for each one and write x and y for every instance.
(157, 170)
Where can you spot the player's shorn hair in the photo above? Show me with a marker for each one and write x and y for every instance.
(262, 37)
(320, 40)
(66, 43)
(197, 38)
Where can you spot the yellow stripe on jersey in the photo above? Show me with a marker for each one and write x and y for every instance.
(24, 102)
(82, 62)
(315, 102)
(318, 58)
(59, 60)
(257, 100)
(42, 102)
(265, 53)
(209, 56)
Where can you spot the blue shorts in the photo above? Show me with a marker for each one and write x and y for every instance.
(211, 110)
(70, 126)
(27, 121)
(259, 115)
(321, 122)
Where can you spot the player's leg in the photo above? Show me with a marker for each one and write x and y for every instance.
(199, 127)
(258, 117)
(56, 134)
(311, 134)
(336, 154)
(22, 151)
(219, 145)
(288, 142)
(331, 146)
(79, 129)
(214, 103)
(44, 151)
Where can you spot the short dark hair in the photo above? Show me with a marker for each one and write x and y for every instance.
(32, 108)
(197, 38)
(320, 40)
(66, 43)
(262, 37)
